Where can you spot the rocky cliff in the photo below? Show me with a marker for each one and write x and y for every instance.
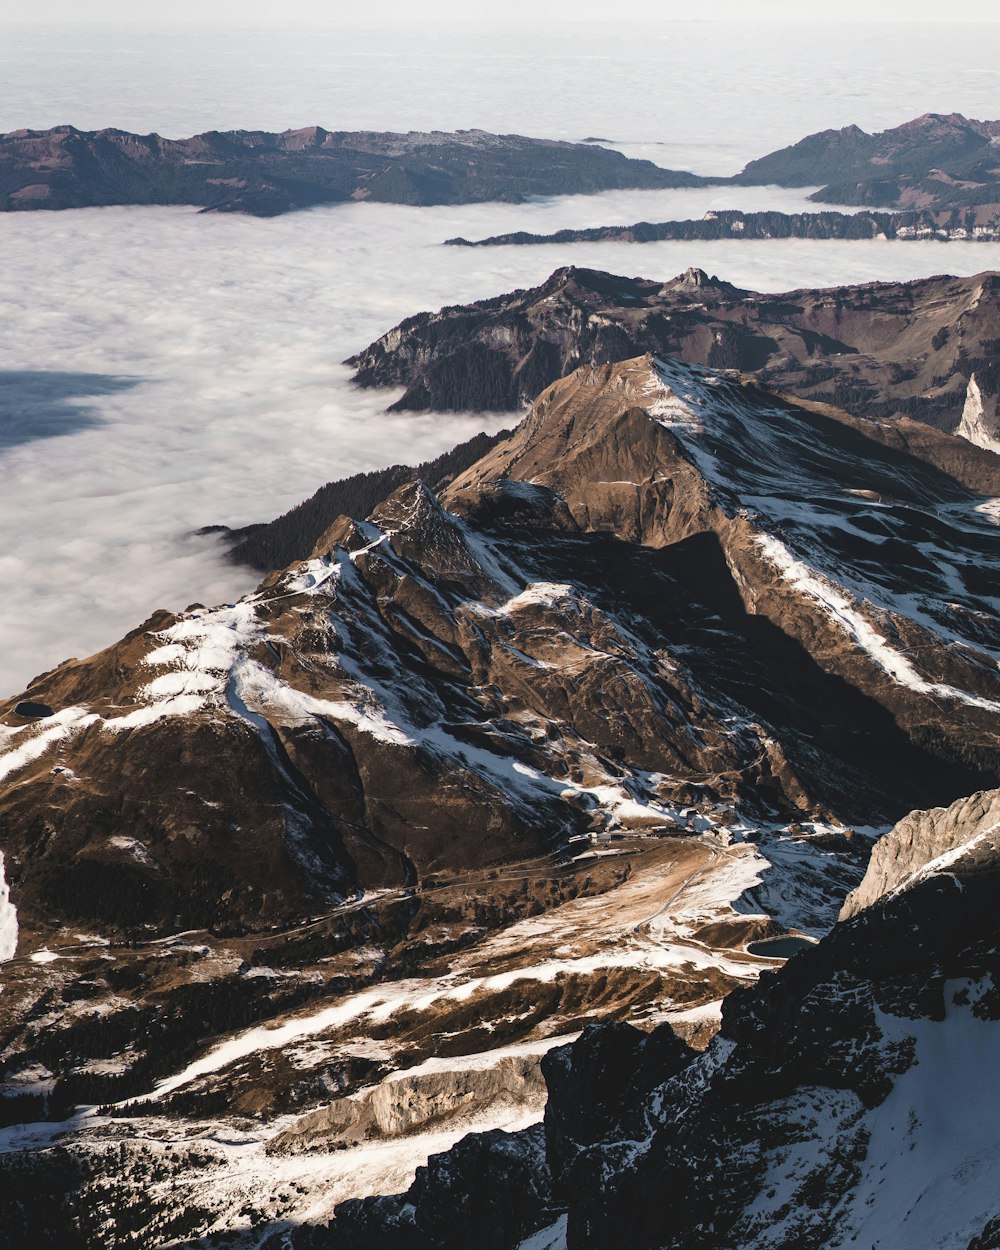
(926, 842)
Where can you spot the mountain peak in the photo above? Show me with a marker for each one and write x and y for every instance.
(693, 279)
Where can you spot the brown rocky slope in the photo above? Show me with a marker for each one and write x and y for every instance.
(507, 667)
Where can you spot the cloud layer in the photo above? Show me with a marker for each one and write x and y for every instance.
(712, 95)
(231, 331)
(160, 370)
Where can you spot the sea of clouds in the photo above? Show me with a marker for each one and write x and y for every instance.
(162, 370)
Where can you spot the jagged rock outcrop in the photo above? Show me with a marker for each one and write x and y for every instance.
(596, 1091)
(924, 842)
(264, 174)
(278, 543)
(410, 1100)
(885, 351)
(975, 425)
(491, 1190)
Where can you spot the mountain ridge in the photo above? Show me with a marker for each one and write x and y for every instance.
(942, 169)
(924, 349)
(265, 174)
(814, 1119)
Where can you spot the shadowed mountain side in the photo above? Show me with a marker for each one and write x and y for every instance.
(292, 536)
(36, 403)
(760, 668)
(845, 1101)
(40, 1206)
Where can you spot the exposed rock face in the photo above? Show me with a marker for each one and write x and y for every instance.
(880, 350)
(965, 834)
(265, 174)
(975, 426)
(410, 1100)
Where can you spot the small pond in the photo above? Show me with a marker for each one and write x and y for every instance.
(780, 947)
(32, 711)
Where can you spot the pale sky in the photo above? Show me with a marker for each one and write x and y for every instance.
(350, 12)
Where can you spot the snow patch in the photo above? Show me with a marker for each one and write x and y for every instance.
(540, 594)
(990, 509)
(57, 729)
(314, 575)
(133, 847)
(666, 405)
(259, 689)
(931, 1170)
(8, 918)
(182, 705)
(551, 1238)
(844, 614)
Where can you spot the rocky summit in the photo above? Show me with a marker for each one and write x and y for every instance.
(300, 890)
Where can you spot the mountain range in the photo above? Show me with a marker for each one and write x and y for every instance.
(941, 173)
(717, 224)
(943, 169)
